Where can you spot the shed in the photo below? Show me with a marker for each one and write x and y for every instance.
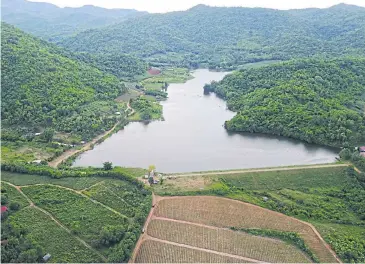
(117, 113)
(265, 198)
(37, 134)
(37, 161)
(46, 257)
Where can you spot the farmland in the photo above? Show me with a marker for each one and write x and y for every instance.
(64, 247)
(329, 198)
(158, 252)
(189, 228)
(227, 241)
(73, 227)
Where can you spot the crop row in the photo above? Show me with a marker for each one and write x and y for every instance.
(220, 212)
(158, 252)
(227, 241)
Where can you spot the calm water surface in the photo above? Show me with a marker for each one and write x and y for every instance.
(192, 138)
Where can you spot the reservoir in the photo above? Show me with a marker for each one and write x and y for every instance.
(192, 138)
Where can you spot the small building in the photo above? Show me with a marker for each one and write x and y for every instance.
(146, 176)
(4, 209)
(36, 161)
(82, 142)
(265, 198)
(37, 134)
(117, 113)
(46, 257)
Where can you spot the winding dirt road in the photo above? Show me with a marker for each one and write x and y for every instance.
(87, 146)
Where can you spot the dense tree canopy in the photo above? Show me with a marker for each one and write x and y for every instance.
(43, 88)
(226, 37)
(54, 23)
(313, 100)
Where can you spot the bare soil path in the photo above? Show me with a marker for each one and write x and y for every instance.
(31, 203)
(87, 146)
(260, 170)
(80, 193)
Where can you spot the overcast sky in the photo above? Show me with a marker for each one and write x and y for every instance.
(159, 6)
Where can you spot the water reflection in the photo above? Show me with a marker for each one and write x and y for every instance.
(192, 138)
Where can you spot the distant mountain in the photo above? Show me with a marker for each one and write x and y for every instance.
(53, 23)
(222, 37)
(41, 87)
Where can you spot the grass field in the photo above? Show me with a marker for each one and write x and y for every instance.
(226, 213)
(227, 241)
(157, 252)
(63, 247)
(27, 151)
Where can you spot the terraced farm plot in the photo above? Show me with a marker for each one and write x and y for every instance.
(227, 241)
(63, 247)
(226, 213)
(121, 196)
(158, 252)
(76, 212)
(77, 183)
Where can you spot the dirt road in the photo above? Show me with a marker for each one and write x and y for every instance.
(67, 154)
(259, 170)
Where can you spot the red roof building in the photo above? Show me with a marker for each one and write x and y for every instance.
(4, 208)
(154, 71)
(362, 149)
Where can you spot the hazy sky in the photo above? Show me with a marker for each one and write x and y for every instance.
(155, 6)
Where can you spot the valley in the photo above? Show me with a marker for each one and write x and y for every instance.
(207, 135)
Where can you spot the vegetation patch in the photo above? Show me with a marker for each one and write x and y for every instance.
(122, 197)
(53, 239)
(316, 101)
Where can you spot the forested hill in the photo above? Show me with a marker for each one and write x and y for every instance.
(316, 101)
(42, 88)
(53, 23)
(222, 37)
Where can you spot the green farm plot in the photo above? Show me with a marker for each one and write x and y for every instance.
(82, 216)
(121, 196)
(77, 183)
(296, 179)
(63, 246)
(9, 192)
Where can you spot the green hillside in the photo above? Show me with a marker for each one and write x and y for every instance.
(226, 37)
(54, 23)
(41, 88)
(318, 101)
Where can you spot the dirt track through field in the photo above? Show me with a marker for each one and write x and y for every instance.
(78, 192)
(31, 204)
(260, 170)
